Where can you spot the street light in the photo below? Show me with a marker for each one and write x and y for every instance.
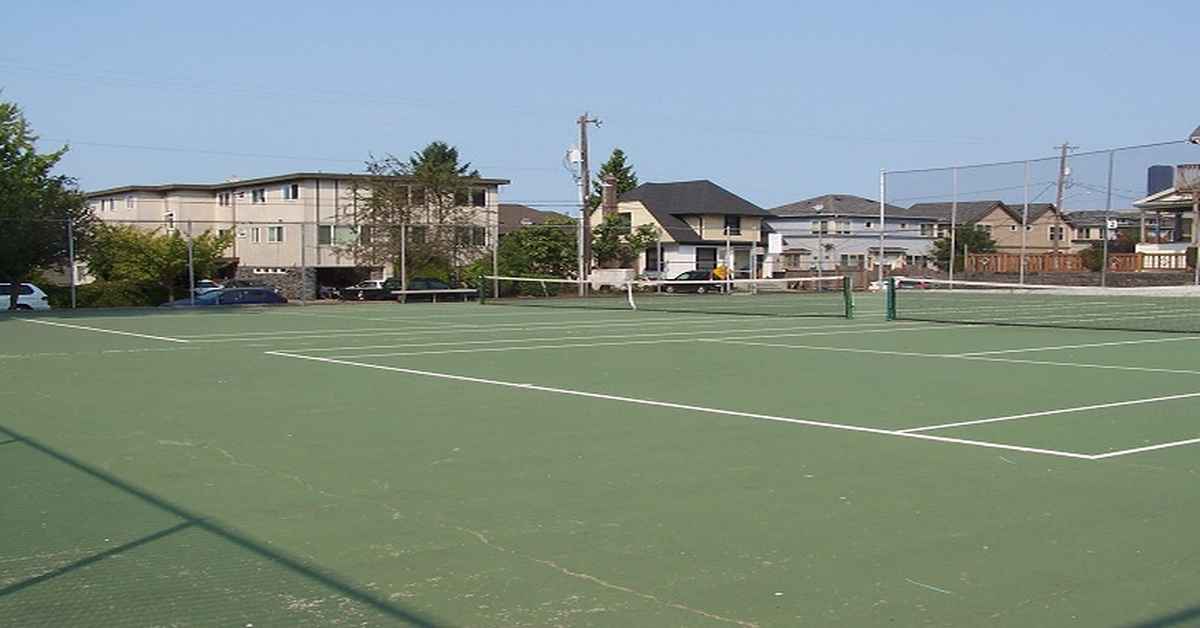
(1195, 136)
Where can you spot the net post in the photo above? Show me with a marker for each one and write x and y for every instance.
(890, 299)
(848, 296)
(629, 295)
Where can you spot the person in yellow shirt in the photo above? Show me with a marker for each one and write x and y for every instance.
(720, 273)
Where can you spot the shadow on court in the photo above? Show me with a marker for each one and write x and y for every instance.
(1185, 617)
(186, 569)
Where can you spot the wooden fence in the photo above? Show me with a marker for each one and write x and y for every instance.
(1073, 262)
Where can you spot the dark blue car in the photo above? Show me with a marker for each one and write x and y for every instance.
(231, 296)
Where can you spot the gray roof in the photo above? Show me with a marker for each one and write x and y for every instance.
(1088, 217)
(514, 216)
(668, 201)
(229, 185)
(974, 211)
(833, 205)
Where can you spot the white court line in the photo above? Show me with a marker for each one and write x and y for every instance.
(681, 406)
(1083, 346)
(706, 321)
(103, 331)
(658, 334)
(620, 340)
(951, 356)
(1027, 415)
(1138, 450)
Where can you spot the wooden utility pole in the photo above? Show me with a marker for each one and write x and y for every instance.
(585, 191)
(1058, 197)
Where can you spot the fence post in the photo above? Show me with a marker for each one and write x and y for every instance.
(1024, 226)
(953, 227)
(303, 263)
(191, 267)
(71, 256)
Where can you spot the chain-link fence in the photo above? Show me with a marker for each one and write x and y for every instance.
(128, 263)
(1103, 217)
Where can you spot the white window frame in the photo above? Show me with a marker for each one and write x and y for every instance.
(255, 235)
(275, 234)
(258, 196)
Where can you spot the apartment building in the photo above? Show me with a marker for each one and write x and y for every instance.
(1046, 229)
(290, 231)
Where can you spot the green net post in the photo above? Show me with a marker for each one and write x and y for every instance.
(848, 296)
(890, 299)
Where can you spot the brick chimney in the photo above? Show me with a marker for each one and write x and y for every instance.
(608, 196)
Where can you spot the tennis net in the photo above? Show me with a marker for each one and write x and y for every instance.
(809, 296)
(1161, 309)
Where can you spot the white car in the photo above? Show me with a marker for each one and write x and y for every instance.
(31, 297)
(207, 285)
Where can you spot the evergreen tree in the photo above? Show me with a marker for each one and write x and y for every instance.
(618, 167)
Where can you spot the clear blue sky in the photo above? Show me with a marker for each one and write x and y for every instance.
(776, 101)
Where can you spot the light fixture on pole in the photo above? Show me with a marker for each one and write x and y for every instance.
(1195, 136)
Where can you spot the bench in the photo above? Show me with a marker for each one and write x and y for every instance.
(461, 294)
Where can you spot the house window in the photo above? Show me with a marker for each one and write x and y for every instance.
(706, 257)
(129, 202)
(793, 260)
(843, 227)
(1085, 233)
(255, 235)
(652, 260)
(258, 196)
(852, 261)
(479, 197)
(869, 225)
(169, 221)
(625, 220)
(470, 236)
(1012, 227)
(926, 230)
(820, 227)
(223, 199)
(733, 225)
(1056, 233)
(274, 235)
(416, 234)
(291, 192)
(984, 228)
(328, 235)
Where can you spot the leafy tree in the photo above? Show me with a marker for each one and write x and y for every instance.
(1093, 256)
(966, 236)
(546, 250)
(35, 204)
(618, 167)
(615, 244)
(123, 253)
(427, 196)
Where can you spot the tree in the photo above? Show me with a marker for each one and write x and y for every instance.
(429, 198)
(615, 243)
(546, 250)
(1093, 256)
(127, 253)
(35, 205)
(617, 167)
(967, 237)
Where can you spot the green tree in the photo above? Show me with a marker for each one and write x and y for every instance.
(546, 250)
(123, 253)
(615, 244)
(618, 167)
(968, 238)
(430, 197)
(35, 204)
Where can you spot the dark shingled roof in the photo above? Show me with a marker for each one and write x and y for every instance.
(667, 201)
(1093, 217)
(974, 211)
(834, 204)
(514, 216)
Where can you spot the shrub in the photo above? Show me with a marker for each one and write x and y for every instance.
(107, 294)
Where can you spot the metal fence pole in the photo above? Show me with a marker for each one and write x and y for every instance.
(882, 219)
(191, 267)
(303, 262)
(1024, 227)
(71, 256)
(953, 226)
(1107, 214)
(403, 256)
(496, 258)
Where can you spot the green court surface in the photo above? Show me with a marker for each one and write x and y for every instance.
(491, 465)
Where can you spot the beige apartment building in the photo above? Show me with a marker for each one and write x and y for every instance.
(290, 231)
(1046, 229)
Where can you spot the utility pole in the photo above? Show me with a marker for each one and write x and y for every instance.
(585, 190)
(1062, 184)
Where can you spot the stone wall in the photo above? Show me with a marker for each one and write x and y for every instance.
(291, 283)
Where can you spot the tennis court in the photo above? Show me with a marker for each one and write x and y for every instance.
(499, 465)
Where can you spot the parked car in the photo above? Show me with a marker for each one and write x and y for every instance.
(205, 286)
(231, 296)
(697, 288)
(424, 283)
(29, 297)
(371, 290)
